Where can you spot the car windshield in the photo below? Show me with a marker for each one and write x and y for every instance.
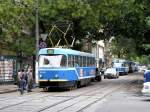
(52, 61)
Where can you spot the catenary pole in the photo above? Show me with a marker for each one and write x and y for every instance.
(37, 29)
(37, 39)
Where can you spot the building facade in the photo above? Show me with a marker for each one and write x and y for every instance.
(98, 51)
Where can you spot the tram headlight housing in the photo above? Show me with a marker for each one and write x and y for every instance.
(56, 76)
(40, 75)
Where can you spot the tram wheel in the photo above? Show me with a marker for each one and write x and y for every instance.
(75, 85)
(45, 89)
(78, 84)
(98, 78)
(71, 88)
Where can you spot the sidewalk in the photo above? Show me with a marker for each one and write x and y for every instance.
(8, 88)
(13, 88)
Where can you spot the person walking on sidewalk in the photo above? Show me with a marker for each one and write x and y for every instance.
(18, 78)
(30, 80)
(22, 81)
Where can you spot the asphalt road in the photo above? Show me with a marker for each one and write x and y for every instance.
(110, 95)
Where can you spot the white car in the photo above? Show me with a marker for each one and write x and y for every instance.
(111, 73)
(142, 68)
(146, 89)
(146, 85)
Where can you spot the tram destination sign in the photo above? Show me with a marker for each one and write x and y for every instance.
(50, 51)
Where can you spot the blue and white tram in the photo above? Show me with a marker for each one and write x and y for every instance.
(59, 67)
(121, 65)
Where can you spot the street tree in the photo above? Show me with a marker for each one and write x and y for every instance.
(16, 24)
(98, 19)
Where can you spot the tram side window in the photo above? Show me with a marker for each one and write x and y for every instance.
(69, 60)
(76, 61)
(92, 62)
(89, 64)
(73, 60)
(63, 61)
(81, 61)
(84, 61)
(88, 61)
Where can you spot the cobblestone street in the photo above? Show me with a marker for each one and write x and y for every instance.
(115, 94)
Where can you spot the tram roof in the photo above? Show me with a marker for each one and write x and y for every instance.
(64, 51)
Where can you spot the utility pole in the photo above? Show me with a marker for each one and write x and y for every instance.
(37, 29)
(37, 39)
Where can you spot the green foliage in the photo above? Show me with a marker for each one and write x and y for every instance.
(144, 59)
(127, 20)
(15, 18)
(77, 11)
(123, 47)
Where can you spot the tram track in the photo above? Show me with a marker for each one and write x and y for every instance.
(22, 102)
(72, 97)
(95, 93)
(87, 96)
(16, 104)
(82, 94)
(107, 94)
(99, 99)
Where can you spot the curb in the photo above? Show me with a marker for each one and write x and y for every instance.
(10, 91)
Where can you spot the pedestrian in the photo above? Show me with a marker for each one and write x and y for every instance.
(22, 81)
(18, 78)
(30, 80)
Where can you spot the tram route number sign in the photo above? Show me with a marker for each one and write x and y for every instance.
(42, 45)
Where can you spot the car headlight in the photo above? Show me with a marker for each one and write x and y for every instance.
(146, 87)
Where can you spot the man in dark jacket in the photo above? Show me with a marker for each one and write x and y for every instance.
(22, 80)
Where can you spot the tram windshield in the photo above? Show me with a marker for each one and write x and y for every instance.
(52, 61)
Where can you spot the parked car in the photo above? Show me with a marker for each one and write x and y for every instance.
(111, 73)
(146, 84)
(142, 68)
(146, 89)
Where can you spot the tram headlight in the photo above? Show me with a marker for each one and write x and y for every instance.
(56, 76)
(40, 75)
